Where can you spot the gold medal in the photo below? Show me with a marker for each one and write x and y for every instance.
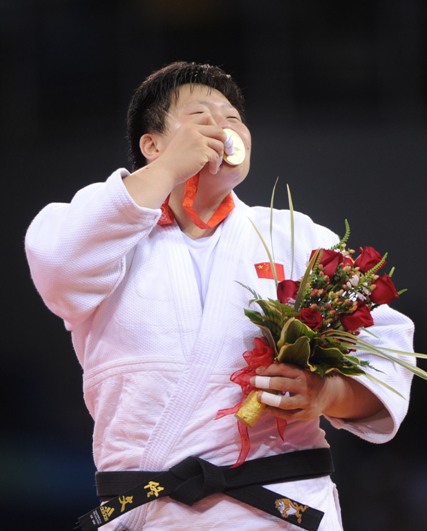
(234, 152)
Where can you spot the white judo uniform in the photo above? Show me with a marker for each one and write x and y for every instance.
(157, 354)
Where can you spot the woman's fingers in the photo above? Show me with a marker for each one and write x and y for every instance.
(282, 384)
(276, 400)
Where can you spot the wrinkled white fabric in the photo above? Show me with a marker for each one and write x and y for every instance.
(157, 364)
(202, 252)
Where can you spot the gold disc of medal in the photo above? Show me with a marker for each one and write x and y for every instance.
(235, 152)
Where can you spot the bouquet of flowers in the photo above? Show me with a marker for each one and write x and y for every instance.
(315, 322)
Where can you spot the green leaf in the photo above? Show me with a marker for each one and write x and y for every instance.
(291, 212)
(346, 236)
(296, 329)
(302, 287)
(296, 353)
(383, 353)
(330, 355)
(292, 330)
(377, 380)
(254, 293)
(264, 323)
(283, 332)
(271, 224)
(266, 332)
(267, 250)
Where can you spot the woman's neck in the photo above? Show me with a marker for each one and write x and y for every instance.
(204, 206)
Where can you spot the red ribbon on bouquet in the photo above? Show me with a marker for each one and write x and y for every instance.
(262, 355)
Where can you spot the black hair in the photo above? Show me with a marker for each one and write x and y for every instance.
(152, 99)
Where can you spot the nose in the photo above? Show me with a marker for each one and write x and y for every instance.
(219, 118)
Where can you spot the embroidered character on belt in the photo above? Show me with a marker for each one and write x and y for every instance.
(154, 487)
(287, 508)
(124, 500)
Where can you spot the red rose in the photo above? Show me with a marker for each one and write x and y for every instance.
(348, 260)
(361, 317)
(312, 318)
(384, 291)
(330, 260)
(287, 289)
(367, 259)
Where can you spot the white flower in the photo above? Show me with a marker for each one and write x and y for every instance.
(355, 280)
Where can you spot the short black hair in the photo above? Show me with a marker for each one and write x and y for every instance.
(152, 99)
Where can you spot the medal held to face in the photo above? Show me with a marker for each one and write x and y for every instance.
(234, 149)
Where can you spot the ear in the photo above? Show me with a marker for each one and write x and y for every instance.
(148, 144)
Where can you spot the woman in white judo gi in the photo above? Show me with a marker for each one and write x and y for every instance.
(142, 268)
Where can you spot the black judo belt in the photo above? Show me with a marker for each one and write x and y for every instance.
(193, 479)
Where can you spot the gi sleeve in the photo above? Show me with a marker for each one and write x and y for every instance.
(77, 251)
(395, 331)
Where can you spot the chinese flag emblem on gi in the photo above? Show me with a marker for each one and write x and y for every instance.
(264, 270)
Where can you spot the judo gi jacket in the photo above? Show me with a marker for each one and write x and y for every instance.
(157, 362)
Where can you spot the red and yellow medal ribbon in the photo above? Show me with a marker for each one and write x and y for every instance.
(226, 206)
(190, 191)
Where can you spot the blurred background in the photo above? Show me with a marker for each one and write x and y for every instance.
(337, 102)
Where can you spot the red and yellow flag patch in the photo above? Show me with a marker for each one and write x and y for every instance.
(264, 270)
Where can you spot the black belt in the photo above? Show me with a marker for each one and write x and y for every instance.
(193, 479)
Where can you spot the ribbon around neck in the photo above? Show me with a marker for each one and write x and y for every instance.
(190, 191)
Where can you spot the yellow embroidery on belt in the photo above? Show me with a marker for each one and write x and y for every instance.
(154, 487)
(287, 508)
